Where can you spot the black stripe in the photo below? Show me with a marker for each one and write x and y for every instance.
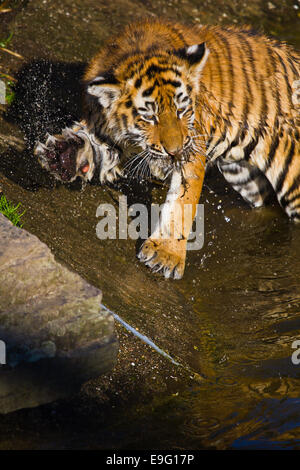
(174, 83)
(251, 32)
(251, 62)
(248, 95)
(221, 84)
(289, 89)
(244, 131)
(247, 49)
(284, 202)
(138, 83)
(220, 140)
(293, 67)
(149, 91)
(242, 182)
(250, 57)
(285, 198)
(264, 105)
(234, 143)
(154, 69)
(231, 171)
(124, 120)
(231, 71)
(297, 206)
(192, 58)
(252, 195)
(133, 68)
(273, 72)
(282, 176)
(296, 215)
(272, 151)
(179, 35)
(251, 146)
(253, 171)
(138, 36)
(150, 103)
(208, 142)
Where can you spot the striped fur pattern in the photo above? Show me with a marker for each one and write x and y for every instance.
(247, 180)
(180, 96)
(243, 102)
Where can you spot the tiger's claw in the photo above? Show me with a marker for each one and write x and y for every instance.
(59, 155)
(77, 152)
(166, 257)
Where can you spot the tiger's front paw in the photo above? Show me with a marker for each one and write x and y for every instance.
(164, 256)
(108, 161)
(59, 156)
(78, 152)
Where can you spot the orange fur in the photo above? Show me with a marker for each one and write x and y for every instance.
(238, 105)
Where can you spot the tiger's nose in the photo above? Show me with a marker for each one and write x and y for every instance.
(175, 148)
(173, 151)
(170, 133)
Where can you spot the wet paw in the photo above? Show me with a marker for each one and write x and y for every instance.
(77, 152)
(59, 156)
(109, 159)
(164, 256)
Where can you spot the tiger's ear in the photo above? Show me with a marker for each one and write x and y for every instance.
(195, 55)
(106, 89)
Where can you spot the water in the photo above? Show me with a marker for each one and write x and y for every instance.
(232, 319)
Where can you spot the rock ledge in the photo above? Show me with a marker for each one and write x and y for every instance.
(55, 333)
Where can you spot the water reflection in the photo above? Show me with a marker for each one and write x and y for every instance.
(247, 298)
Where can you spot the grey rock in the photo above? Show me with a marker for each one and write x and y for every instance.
(51, 322)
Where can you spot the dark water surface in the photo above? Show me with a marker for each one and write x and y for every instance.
(233, 317)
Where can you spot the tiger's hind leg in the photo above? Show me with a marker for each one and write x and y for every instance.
(289, 195)
(282, 169)
(247, 180)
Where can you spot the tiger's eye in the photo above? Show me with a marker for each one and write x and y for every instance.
(148, 117)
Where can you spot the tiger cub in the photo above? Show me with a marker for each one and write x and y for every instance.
(183, 96)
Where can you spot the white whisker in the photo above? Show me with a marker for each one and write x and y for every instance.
(133, 159)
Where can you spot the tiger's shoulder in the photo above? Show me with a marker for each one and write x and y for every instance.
(150, 36)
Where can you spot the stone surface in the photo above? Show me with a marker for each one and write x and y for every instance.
(51, 321)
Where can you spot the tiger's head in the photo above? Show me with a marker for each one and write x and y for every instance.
(149, 102)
